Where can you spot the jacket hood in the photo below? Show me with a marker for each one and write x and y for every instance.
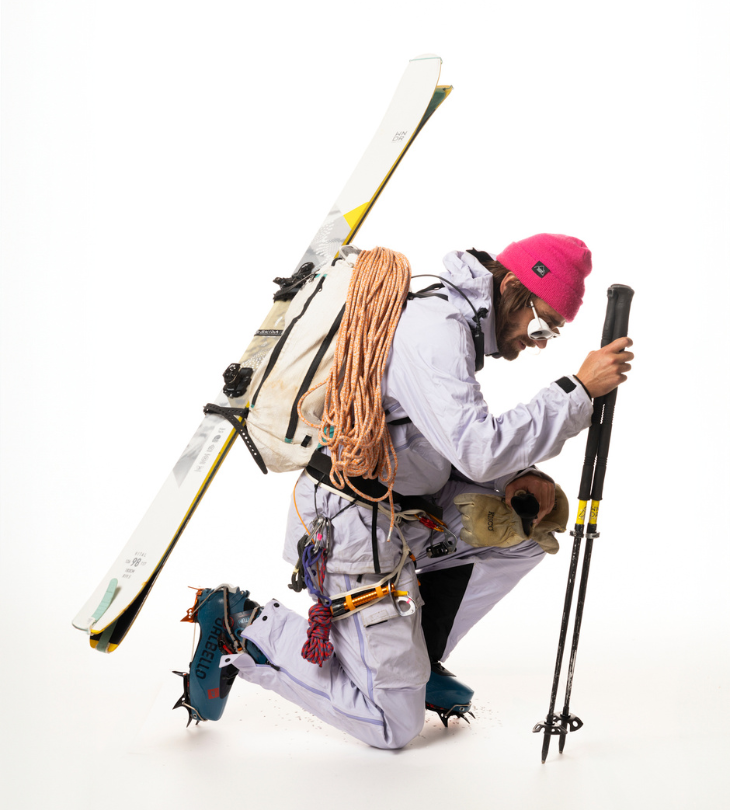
(470, 275)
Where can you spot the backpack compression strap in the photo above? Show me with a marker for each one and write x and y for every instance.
(232, 414)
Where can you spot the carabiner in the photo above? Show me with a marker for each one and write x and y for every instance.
(403, 603)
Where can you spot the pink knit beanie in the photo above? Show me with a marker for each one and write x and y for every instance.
(553, 267)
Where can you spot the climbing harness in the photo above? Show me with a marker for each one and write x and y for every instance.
(310, 571)
(318, 470)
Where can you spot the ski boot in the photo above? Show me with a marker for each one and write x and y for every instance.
(223, 613)
(447, 696)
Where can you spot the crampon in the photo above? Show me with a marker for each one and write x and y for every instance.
(447, 696)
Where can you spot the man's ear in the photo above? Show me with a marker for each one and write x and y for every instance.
(510, 278)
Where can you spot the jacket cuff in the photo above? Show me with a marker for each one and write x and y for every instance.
(501, 483)
(569, 384)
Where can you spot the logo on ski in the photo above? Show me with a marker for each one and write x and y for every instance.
(134, 563)
(399, 136)
(201, 465)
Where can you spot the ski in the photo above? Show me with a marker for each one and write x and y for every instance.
(114, 605)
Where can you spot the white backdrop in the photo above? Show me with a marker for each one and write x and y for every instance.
(161, 162)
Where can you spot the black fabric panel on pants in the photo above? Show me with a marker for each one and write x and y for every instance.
(442, 592)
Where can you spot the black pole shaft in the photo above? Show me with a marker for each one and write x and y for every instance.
(572, 571)
(565, 715)
(604, 444)
(589, 461)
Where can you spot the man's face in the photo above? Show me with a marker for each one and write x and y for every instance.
(513, 338)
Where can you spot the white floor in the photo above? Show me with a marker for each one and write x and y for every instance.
(83, 730)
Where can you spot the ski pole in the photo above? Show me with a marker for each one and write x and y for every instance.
(623, 296)
(591, 487)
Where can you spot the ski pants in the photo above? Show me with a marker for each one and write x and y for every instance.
(374, 685)
(458, 593)
(459, 589)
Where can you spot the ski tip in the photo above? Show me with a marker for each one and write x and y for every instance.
(423, 56)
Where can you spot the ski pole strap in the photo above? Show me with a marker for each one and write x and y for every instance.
(321, 464)
(232, 415)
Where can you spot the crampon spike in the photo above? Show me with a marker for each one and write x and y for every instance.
(190, 614)
(459, 712)
(184, 701)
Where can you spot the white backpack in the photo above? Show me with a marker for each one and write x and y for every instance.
(292, 353)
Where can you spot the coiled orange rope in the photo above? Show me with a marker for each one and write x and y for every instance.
(353, 422)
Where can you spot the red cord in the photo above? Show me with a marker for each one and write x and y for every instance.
(318, 647)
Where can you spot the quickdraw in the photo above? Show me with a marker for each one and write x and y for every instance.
(443, 547)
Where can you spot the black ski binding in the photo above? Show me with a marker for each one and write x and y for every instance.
(184, 701)
(236, 378)
(289, 286)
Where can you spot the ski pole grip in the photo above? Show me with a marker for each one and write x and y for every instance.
(622, 297)
(527, 507)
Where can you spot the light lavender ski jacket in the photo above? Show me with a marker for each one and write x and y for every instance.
(430, 377)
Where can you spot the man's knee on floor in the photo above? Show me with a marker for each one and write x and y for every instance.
(409, 732)
(404, 713)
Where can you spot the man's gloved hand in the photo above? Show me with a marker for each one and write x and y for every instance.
(541, 488)
(488, 521)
